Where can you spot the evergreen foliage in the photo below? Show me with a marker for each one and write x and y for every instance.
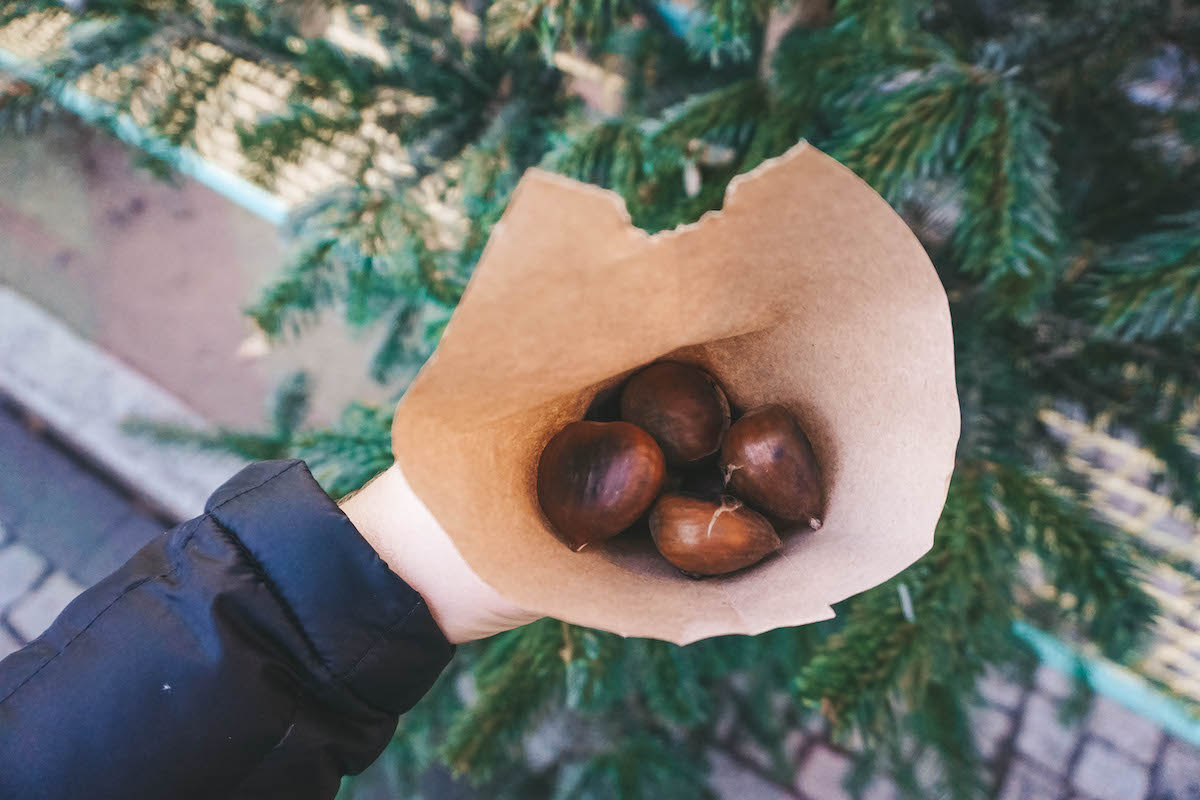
(1054, 184)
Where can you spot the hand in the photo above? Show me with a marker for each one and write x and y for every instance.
(396, 523)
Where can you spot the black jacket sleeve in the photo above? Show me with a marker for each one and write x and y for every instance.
(262, 650)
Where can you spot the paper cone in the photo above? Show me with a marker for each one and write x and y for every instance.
(806, 289)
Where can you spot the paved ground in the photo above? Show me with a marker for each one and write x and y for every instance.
(1110, 754)
(63, 527)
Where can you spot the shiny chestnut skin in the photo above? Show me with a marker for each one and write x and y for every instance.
(681, 406)
(768, 462)
(595, 479)
(703, 536)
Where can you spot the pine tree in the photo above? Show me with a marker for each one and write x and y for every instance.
(1053, 182)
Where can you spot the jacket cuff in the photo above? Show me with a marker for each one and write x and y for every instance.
(365, 625)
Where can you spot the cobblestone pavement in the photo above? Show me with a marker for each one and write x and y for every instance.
(1108, 753)
(62, 528)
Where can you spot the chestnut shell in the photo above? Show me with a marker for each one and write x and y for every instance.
(710, 537)
(681, 406)
(595, 479)
(769, 462)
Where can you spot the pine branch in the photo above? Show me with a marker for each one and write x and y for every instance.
(404, 344)
(878, 650)
(287, 408)
(1008, 233)
(517, 675)
(380, 255)
(279, 139)
(1083, 556)
(555, 23)
(645, 164)
(12, 10)
(725, 116)
(731, 30)
(111, 43)
(621, 157)
(1149, 287)
(892, 24)
(295, 296)
(254, 446)
(881, 664)
(640, 767)
(942, 117)
(290, 404)
(177, 115)
(893, 137)
(999, 391)
(1143, 387)
(859, 72)
(1082, 38)
(357, 448)
(425, 48)
(932, 660)
(606, 155)
(1164, 362)
(670, 687)
(220, 32)
(362, 248)
(1180, 475)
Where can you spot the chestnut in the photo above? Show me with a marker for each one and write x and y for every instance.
(768, 461)
(681, 406)
(710, 537)
(595, 479)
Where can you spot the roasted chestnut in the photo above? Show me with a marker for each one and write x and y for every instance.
(681, 406)
(710, 537)
(769, 462)
(596, 478)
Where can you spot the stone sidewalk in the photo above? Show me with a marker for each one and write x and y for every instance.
(1110, 753)
(64, 527)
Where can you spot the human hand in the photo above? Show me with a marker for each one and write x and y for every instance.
(406, 536)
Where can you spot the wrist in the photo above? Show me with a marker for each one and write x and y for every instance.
(398, 526)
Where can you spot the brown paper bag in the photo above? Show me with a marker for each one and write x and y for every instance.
(806, 289)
